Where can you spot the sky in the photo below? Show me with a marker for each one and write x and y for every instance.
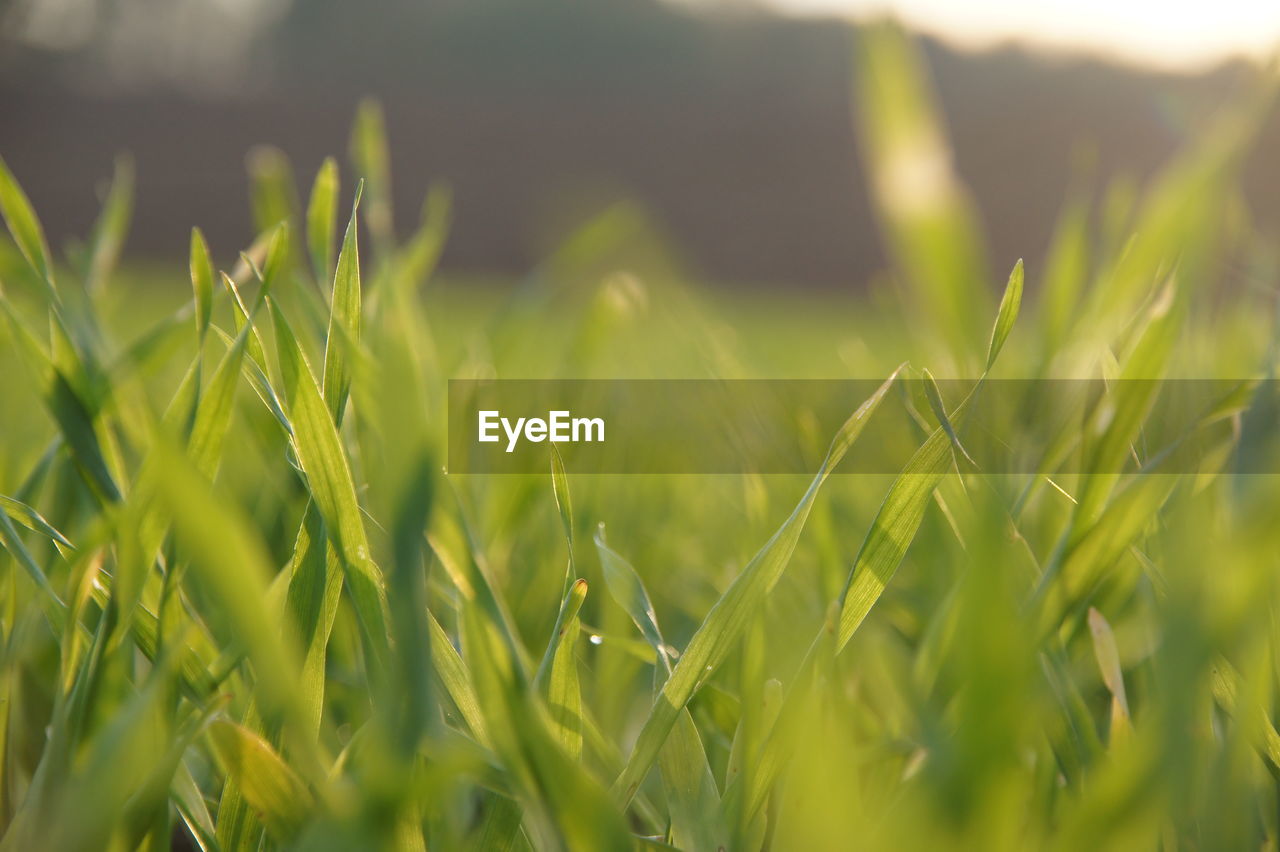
(1169, 33)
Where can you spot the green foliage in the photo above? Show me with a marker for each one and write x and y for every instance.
(242, 603)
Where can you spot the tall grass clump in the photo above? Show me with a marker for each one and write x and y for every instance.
(244, 607)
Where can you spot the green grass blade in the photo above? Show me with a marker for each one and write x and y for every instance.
(34, 521)
(191, 807)
(939, 409)
(82, 438)
(564, 696)
(273, 195)
(112, 227)
(627, 589)
(560, 488)
(1225, 686)
(1006, 315)
(417, 260)
(408, 599)
(692, 797)
(201, 266)
(232, 566)
(323, 460)
(932, 230)
(315, 587)
(452, 671)
(344, 319)
(1116, 424)
(23, 225)
(895, 524)
(500, 830)
(274, 791)
(322, 216)
(1067, 583)
(371, 161)
(1066, 270)
(215, 407)
(9, 539)
(720, 630)
(260, 383)
(1108, 657)
(563, 805)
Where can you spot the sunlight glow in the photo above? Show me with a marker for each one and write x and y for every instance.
(1168, 33)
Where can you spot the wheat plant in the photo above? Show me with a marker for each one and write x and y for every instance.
(242, 606)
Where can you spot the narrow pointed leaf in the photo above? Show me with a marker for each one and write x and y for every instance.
(23, 225)
(720, 630)
(322, 215)
(1007, 315)
(268, 785)
(344, 319)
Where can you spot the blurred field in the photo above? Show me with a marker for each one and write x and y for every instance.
(732, 130)
(244, 608)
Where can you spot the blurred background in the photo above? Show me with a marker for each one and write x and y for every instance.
(727, 122)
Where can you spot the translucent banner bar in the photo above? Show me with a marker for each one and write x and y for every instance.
(784, 426)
